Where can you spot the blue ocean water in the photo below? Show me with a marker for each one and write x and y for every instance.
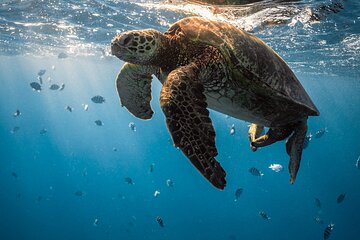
(63, 177)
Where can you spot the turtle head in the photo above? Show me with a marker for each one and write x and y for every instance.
(137, 46)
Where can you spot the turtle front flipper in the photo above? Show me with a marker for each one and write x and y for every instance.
(294, 148)
(184, 104)
(133, 84)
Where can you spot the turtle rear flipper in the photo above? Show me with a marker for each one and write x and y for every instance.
(134, 88)
(184, 104)
(294, 148)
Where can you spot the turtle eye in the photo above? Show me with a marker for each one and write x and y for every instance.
(127, 40)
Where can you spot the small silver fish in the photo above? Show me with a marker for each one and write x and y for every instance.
(41, 72)
(340, 198)
(357, 164)
(14, 174)
(54, 87)
(15, 129)
(17, 113)
(99, 122)
(160, 221)
(321, 132)
(152, 166)
(238, 193)
(264, 215)
(79, 193)
(129, 180)
(169, 183)
(276, 167)
(98, 99)
(328, 230)
(132, 126)
(70, 109)
(85, 106)
(96, 222)
(62, 87)
(156, 193)
(35, 86)
(317, 203)
(256, 172)
(43, 131)
(232, 130)
(307, 140)
(40, 79)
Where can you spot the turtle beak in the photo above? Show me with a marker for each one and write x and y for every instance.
(119, 44)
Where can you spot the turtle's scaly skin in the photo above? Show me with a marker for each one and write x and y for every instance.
(204, 63)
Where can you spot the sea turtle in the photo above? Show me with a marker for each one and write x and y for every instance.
(203, 63)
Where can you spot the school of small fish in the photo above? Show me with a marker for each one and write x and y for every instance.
(98, 99)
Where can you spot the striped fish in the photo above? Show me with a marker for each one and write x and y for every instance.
(340, 198)
(238, 193)
(328, 230)
(256, 172)
(264, 215)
